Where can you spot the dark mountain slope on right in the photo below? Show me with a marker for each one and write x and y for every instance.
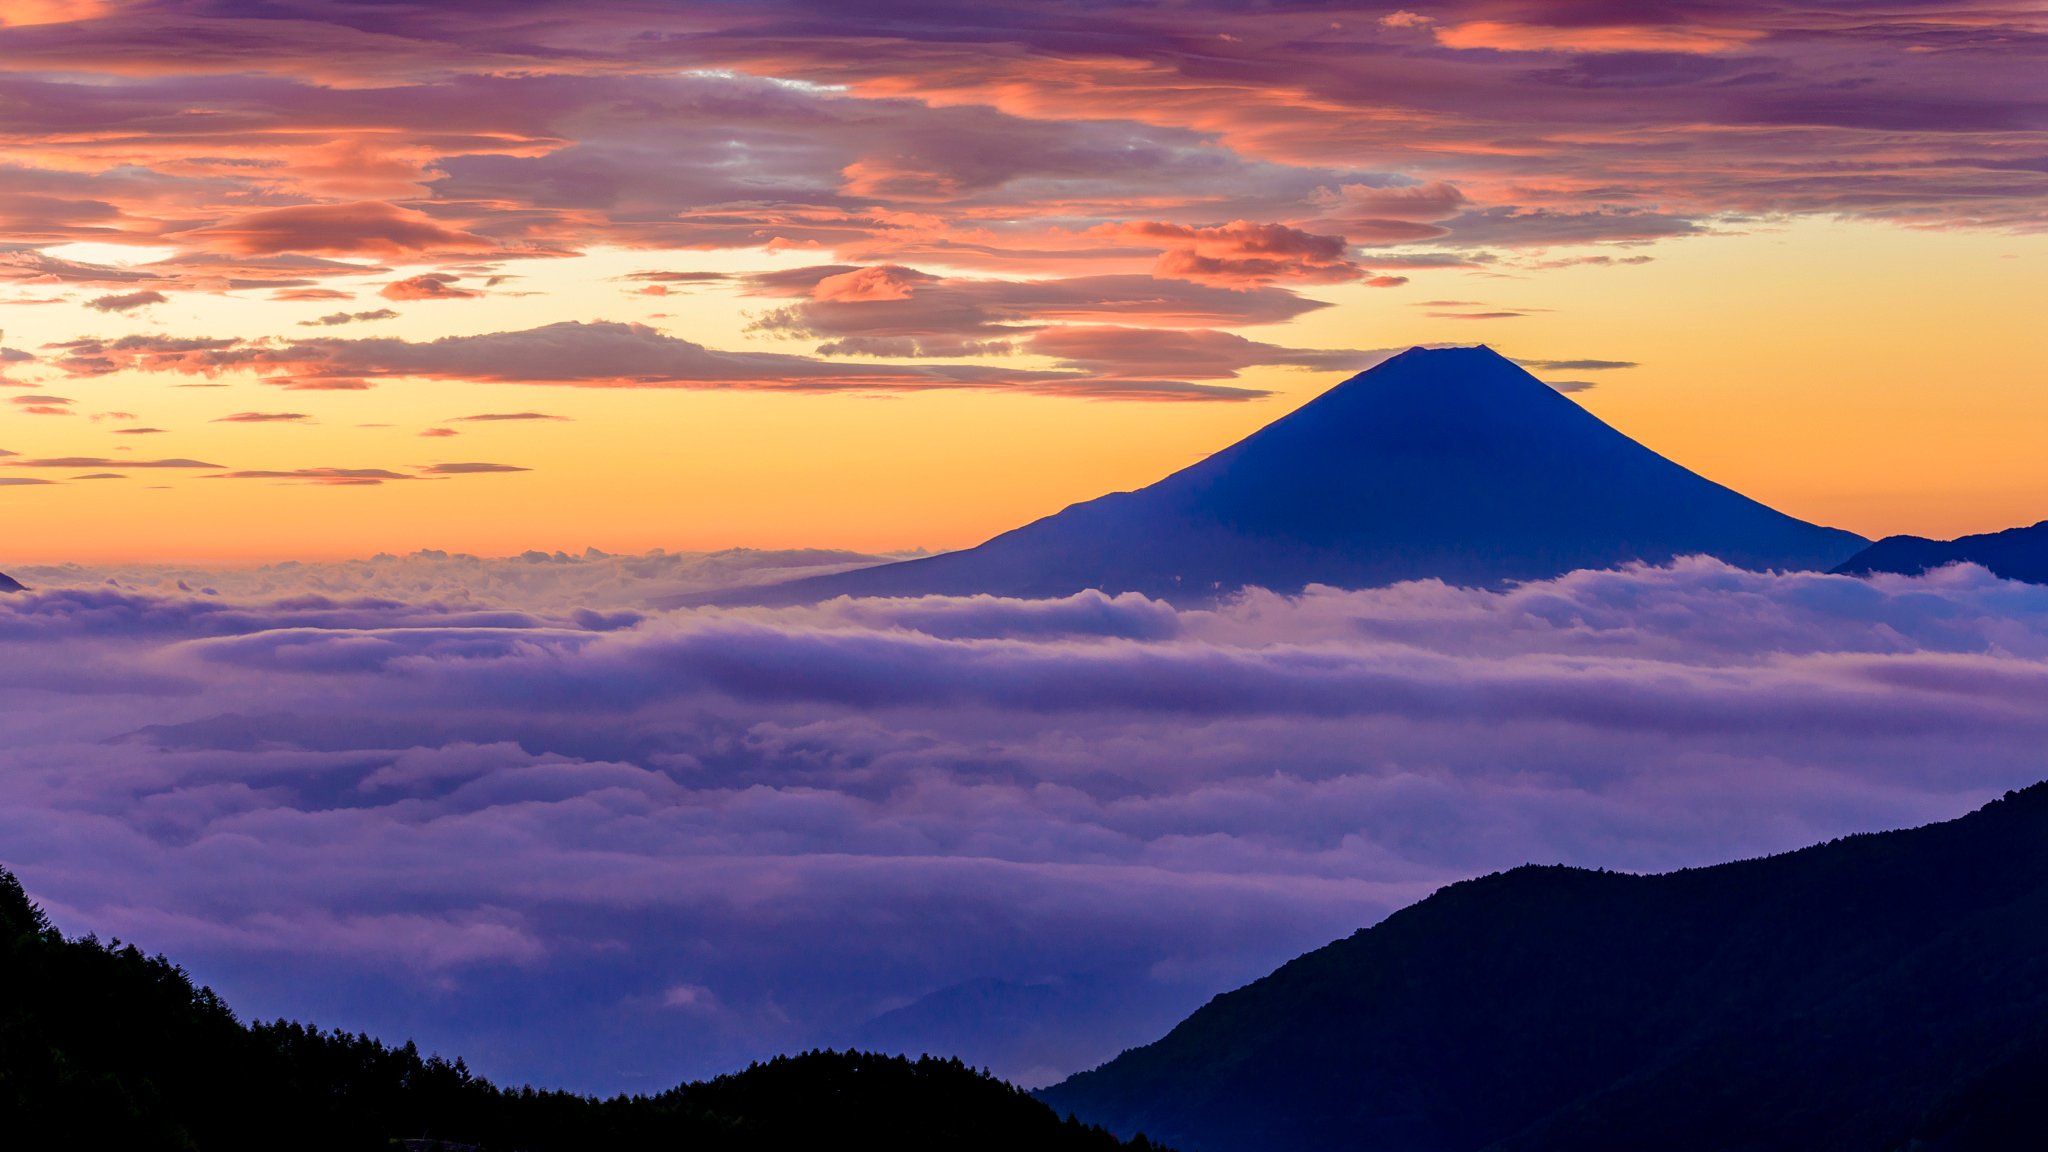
(1880, 992)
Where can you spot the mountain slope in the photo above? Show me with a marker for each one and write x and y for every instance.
(2015, 554)
(1451, 463)
(1857, 995)
(114, 1049)
(10, 584)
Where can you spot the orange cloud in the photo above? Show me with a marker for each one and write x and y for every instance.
(23, 13)
(1504, 36)
(883, 282)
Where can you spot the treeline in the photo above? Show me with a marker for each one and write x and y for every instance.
(103, 1046)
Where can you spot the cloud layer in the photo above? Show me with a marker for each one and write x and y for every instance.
(1055, 197)
(402, 794)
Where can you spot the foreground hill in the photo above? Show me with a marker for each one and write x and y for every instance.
(1874, 993)
(1450, 463)
(2015, 554)
(114, 1049)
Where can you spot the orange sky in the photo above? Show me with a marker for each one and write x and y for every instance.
(870, 287)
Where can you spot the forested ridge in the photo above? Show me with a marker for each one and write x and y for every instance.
(104, 1046)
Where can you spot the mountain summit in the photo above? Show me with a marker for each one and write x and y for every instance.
(10, 584)
(1450, 463)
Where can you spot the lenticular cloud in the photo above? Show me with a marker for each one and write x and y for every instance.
(1030, 832)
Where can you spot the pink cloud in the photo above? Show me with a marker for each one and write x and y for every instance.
(371, 228)
(1243, 253)
(427, 286)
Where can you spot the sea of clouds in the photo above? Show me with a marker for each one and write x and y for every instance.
(508, 808)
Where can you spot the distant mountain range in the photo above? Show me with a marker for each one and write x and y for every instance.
(1450, 463)
(102, 1046)
(2015, 554)
(1875, 993)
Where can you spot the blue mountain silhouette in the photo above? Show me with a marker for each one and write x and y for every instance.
(2015, 554)
(1450, 463)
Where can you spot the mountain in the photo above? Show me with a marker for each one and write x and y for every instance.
(1879, 992)
(1030, 1032)
(10, 584)
(115, 1049)
(1451, 463)
(2015, 554)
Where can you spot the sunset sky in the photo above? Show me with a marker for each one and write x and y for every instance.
(322, 317)
(314, 278)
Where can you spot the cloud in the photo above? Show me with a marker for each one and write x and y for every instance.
(1198, 354)
(1542, 227)
(325, 477)
(427, 286)
(657, 277)
(469, 469)
(1242, 253)
(891, 310)
(467, 782)
(1575, 365)
(138, 431)
(313, 294)
(501, 416)
(103, 462)
(37, 405)
(601, 355)
(126, 301)
(440, 432)
(264, 418)
(22, 481)
(1617, 37)
(999, 141)
(336, 318)
(368, 228)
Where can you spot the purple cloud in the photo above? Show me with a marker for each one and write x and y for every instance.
(469, 469)
(397, 794)
(598, 355)
(126, 301)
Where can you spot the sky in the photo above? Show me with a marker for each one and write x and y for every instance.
(314, 279)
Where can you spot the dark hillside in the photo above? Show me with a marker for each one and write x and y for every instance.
(1857, 995)
(2015, 554)
(104, 1047)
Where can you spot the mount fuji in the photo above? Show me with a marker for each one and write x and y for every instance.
(1449, 463)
